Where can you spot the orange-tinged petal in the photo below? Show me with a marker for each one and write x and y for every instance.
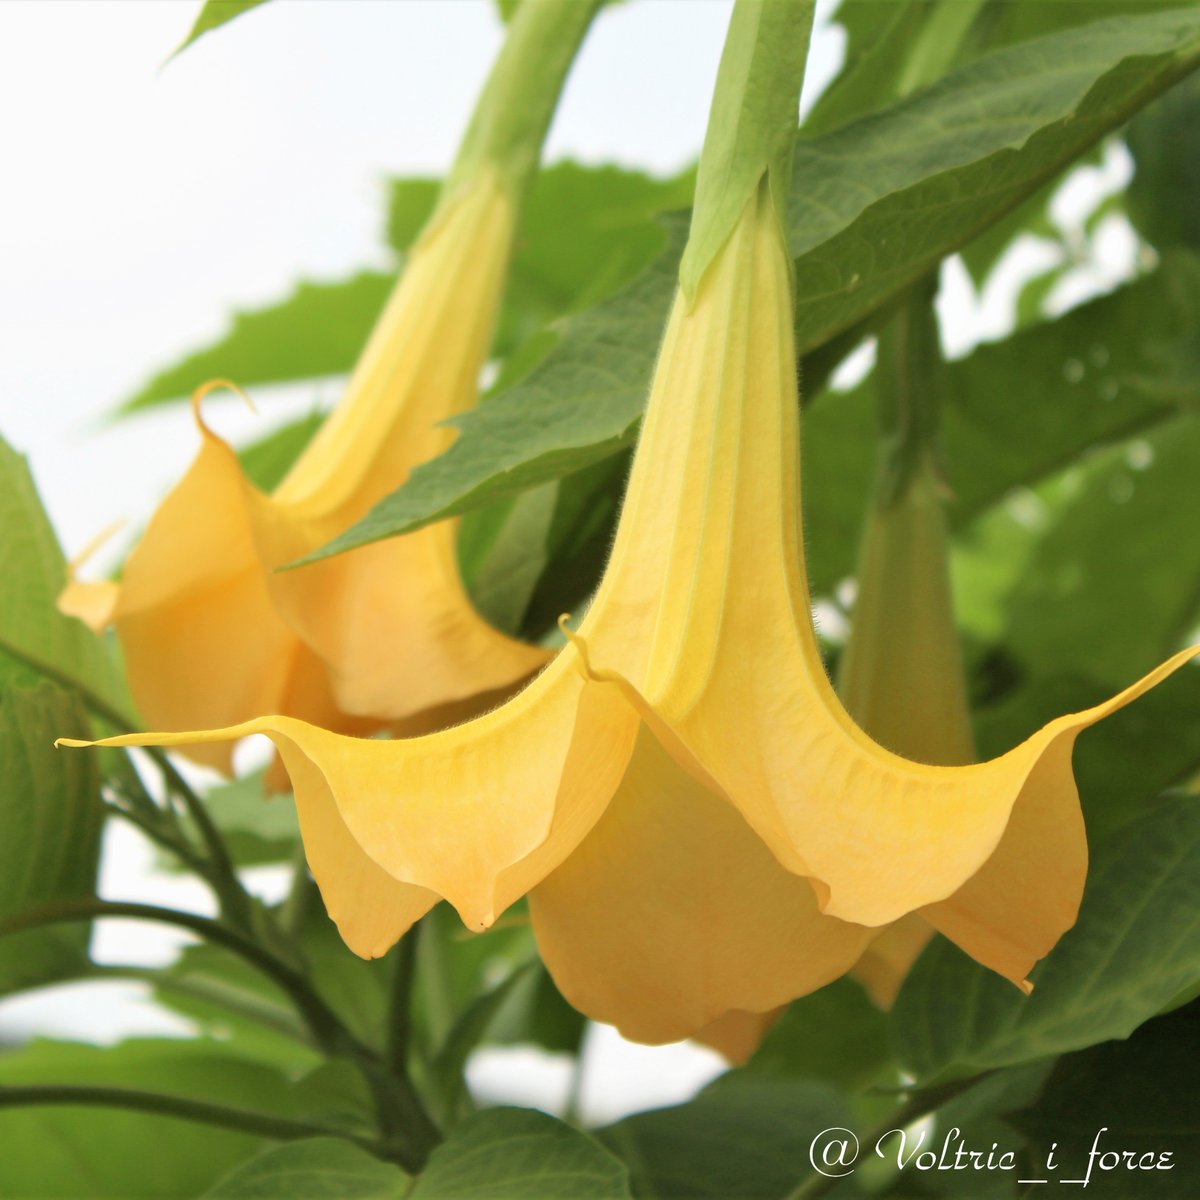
(477, 813)
(733, 677)
(370, 908)
(672, 912)
(215, 634)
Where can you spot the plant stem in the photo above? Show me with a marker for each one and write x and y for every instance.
(399, 1018)
(921, 1104)
(410, 1131)
(284, 1129)
(327, 1030)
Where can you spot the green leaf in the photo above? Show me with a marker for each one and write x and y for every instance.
(834, 1035)
(213, 15)
(34, 571)
(515, 1154)
(317, 331)
(101, 1153)
(50, 821)
(1138, 1095)
(1165, 143)
(875, 205)
(1015, 411)
(1122, 765)
(742, 1136)
(258, 828)
(1134, 950)
(1114, 584)
(312, 1169)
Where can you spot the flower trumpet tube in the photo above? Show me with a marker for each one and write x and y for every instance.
(213, 633)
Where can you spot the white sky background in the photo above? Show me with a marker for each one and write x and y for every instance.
(140, 206)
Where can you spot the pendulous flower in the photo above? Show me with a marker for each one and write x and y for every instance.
(213, 633)
(700, 825)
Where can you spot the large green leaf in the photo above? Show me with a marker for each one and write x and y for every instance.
(875, 206)
(50, 820)
(1165, 142)
(1139, 1095)
(516, 1154)
(34, 572)
(742, 1136)
(312, 1169)
(1114, 584)
(1121, 765)
(835, 1036)
(1134, 950)
(65, 1153)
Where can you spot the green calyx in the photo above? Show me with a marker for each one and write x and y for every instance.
(517, 103)
(751, 126)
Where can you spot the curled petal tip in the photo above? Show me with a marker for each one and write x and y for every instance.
(205, 390)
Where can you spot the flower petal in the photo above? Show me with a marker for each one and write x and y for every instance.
(478, 813)
(370, 908)
(733, 681)
(672, 912)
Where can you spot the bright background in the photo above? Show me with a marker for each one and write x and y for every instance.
(143, 203)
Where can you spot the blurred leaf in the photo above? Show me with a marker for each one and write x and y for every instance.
(584, 231)
(520, 1155)
(229, 999)
(1138, 1095)
(741, 1136)
(502, 574)
(50, 821)
(535, 1013)
(1165, 142)
(70, 1152)
(834, 1035)
(213, 15)
(1134, 951)
(312, 1169)
(258, 828)
(317, 331)
(1015, 411)
(1114, 584)
(34, 571)
(876, 204)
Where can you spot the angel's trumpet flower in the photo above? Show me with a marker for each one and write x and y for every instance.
(604, 787)
(213, 633)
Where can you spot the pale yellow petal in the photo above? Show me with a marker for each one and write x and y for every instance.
(708, 570)
(672, 912)
(478, 813)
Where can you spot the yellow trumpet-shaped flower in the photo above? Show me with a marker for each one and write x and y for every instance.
(700, 825)
(214, 634)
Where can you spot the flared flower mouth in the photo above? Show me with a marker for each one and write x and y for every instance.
(692, 721)
(213, 632)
